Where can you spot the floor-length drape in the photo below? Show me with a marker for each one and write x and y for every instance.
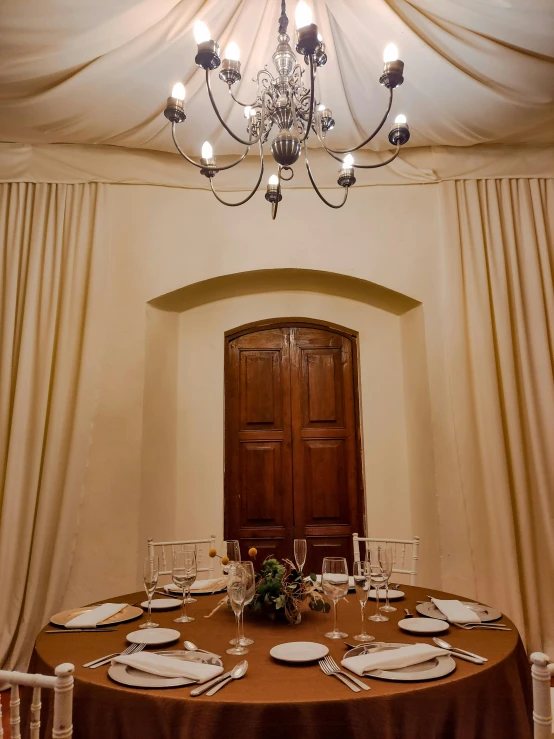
(498, 239)
(52, 271)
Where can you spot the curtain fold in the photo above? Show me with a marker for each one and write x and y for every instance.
(52, 272)
(498, 297)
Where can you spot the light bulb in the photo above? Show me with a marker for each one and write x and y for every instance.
(273, 180)
(201, 32)
(232, 51)
(320, 38)
(321, 107)
(178, 91)
(390, 53)
(247, 111)
(207, 151)
(348, 160)
(303, 14)
(400, 119)
(253, 112)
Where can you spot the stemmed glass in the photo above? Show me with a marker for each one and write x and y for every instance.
(334, 580)
(184, 574)
(231, 550)
(150, 572)
(387, 561)
(361, 581)
(300, 551)
(236, 590)
(378, 577)
(250, 576)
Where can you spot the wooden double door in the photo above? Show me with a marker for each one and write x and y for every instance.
(292, 447)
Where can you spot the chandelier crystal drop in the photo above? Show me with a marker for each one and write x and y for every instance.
(285, 111)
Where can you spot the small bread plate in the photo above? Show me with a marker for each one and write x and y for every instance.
(393, 594)
(351, 583)
(423, 625)
(200, 587)
(162, 604)
(299, 651)
(153, 636)
(138, 679)
(430, 670)
(484, 612)
(129, 613)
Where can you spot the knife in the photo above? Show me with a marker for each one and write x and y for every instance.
(78, 631)
(208, 685)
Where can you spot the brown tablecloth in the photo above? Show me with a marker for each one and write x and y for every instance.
(275, 700)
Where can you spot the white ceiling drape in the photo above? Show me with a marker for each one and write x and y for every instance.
(477, 71)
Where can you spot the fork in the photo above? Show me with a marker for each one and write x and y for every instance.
(131, 649)
(328, 671)
(332, 665)
(488, 627)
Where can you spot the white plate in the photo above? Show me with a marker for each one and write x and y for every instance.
(484, 612)
(194, 591)
(423, 625)
(351, 584)
(162, 604)
(430, 670)
(393, 594)
(153, 636)
(138, 679)
(299, 651)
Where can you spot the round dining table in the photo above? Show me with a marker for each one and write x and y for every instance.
(277, 700)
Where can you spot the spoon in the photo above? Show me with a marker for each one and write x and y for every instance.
(191, 647)
(445, 645)
(408, 614)
(206, 686)
(237, 672)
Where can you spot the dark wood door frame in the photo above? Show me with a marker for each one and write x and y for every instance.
(288, 322)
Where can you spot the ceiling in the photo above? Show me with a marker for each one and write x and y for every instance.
(76, 71)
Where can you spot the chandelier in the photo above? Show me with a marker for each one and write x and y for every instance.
(285, 103)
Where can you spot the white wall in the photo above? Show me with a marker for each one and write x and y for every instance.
(163, 239)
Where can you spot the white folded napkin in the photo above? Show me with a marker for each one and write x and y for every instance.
(456, 612)
(157, 664)
(392, 659)
(92, 618)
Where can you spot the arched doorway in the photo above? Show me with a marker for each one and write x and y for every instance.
(292, 438)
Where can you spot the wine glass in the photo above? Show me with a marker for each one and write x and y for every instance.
(361, 581)
(387, 561)
(150, 572)
(236, 590)
(231, 550)
(184, 574)
(248, 568)
(300, 551)
(378, 577)
(334, 580)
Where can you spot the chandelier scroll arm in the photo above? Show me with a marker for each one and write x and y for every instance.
(369, 138)
(250, 195)
(245, 105)
(312, 180)
(371, 166)
(312, 95)
(225, 126)
(202, 166)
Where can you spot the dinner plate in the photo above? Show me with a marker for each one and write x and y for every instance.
(351, 584)
(171, 588)
(429, 670)
(162, 604)
(484, 612)
(393, 594)
(299, 651)
(129, 613)
(424, 625)
(127, 675)
(153, 636)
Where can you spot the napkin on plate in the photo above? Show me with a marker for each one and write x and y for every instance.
(456, 612)
(157, 664)
(92, 618)
(392, 659)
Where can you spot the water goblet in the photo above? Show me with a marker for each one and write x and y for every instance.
(231, 551)
(250, 576)
(300, 551)
(150, 572)
(387, 561)
(334, 581)
(184, 574)
(377, 578)
(236, 590)
(361, 581)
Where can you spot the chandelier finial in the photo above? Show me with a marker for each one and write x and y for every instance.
(283, 18)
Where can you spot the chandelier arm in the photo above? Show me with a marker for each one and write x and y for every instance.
(312, 95)
(244, 105)
(202, 166)
(372, 136)
(247, 198)
(370, 166)
(225, 126)
(331, 205)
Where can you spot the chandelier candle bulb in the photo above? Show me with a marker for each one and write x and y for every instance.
(327, 122)
(207, 159)
(393, 68)
(399, 133)
(346, 173)
(306, 31)
(175, 108)
(208, 50)
(230, 67)
(272, 194)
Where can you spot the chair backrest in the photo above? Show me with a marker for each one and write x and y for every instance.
(401, 553)
(164, 549)
(541, 672)
(62, 684)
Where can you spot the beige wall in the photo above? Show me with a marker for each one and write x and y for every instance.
(163, 239)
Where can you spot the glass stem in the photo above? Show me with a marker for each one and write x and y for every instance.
(239, 614)
(149, 607)
(241, 635)
(335, 615)
(377, 586)
(184, 604)
(363, 620)
(387, 595)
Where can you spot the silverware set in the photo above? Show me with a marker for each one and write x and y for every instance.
(131, 649)
(238, 671)
(330, 667)
(100, 630)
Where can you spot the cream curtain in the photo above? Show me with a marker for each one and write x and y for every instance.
(499, 313)
(52, 269)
